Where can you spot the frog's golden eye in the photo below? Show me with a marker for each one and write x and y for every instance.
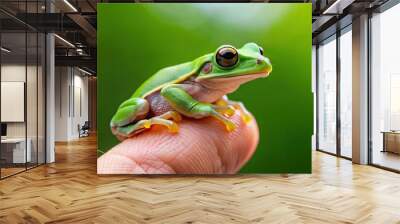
(227, 57)
(261, 51)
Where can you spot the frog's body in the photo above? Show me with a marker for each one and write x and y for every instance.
(194, 89)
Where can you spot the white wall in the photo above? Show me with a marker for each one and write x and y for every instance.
(9, 73)
(80, 112)
(16, 73)
(71, 102)
(61, 103)
(33, 127)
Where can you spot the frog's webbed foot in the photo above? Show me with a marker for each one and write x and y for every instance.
(167, 119)
(175, 116)
(171, 125)
(244, 113)
(229, 125)
(226, 110)
(220, 112)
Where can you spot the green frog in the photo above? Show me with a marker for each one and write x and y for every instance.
(194, 89)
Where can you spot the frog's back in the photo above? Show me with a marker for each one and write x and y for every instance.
(165, 76)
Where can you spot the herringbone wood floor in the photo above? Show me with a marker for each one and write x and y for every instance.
(69, 191)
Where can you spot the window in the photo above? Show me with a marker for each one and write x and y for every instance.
(22, 77)
(385, 89)
(327, 96)
(346, 93)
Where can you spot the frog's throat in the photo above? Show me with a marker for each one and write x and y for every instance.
(226, 85)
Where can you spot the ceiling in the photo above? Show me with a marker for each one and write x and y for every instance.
(16, 42)
(332, 15)
(76, 22)
(72, 20)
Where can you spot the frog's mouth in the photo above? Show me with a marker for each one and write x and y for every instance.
(245, 78)
(229, 84)
(239, 78)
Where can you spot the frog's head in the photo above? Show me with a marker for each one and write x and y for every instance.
(229, 64)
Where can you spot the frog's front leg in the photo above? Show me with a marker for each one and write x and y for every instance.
(245, 114)
(185, 104)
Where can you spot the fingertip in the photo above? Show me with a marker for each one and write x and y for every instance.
(202, 146)
(252, 134)
(243, 141)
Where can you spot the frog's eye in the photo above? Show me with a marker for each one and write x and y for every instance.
(261, 51)
(227, 57)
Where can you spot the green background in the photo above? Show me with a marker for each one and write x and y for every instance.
(136, 40)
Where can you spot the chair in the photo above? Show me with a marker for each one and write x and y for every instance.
(84, 130)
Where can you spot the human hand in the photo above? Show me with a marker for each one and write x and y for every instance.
(200, 147)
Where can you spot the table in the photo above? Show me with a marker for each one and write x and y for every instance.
(13, 150)
(391, 141)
